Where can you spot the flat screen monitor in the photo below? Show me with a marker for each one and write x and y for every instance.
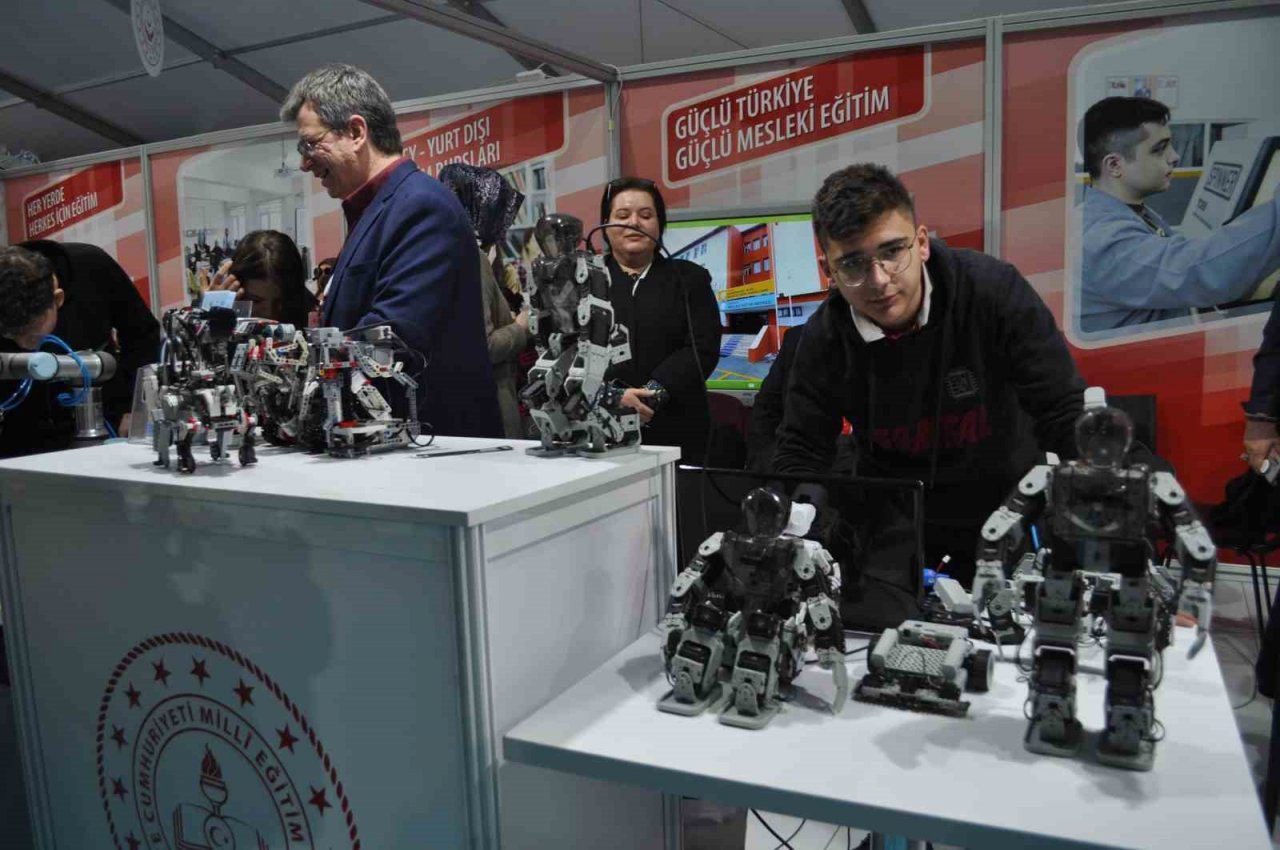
(880, 545)
(1260, 182)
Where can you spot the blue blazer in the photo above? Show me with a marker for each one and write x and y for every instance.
(411, 262)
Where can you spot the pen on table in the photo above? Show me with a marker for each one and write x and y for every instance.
(464, 452)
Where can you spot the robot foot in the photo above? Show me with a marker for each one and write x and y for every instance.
(746, 711)
(684, 701)
(1143, 759)
(1067, 744)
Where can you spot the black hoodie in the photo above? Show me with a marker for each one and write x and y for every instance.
(989, 356)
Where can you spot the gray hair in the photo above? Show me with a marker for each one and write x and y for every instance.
(337, 92)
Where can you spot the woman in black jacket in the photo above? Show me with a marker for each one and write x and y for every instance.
(670, 310)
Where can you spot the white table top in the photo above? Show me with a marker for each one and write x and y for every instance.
(463, 490)
(965, 781)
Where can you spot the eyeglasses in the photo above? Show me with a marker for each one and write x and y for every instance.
(307, 147)
(852, 270)
(321, 271)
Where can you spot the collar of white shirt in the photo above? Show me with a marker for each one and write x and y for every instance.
(871, 332)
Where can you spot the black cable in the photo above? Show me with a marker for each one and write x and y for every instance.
(782, 842)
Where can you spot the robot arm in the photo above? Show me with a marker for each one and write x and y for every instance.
(819, 577)
(1001, 533)
(1196, 553)
(688, 589)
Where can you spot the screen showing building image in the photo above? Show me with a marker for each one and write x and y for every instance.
(751, 260)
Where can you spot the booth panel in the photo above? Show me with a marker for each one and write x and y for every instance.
(551, 618)
(1215, 75)
(739, 153)
(549, 808)
(100, 204)
(227, 671)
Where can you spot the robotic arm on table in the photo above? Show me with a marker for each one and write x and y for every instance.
(1195, 550)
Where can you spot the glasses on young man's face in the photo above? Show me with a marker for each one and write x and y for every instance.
(307, 147)
(852, 270)
(321, 271)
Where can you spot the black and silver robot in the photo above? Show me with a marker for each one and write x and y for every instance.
(751, 604)
(1096, 513)
(578, 339)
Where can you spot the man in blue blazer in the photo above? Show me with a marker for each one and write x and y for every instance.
(409, 257)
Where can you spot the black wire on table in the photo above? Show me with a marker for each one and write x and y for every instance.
(782, 842)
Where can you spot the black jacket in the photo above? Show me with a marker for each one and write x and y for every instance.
(989, 352)
(101, 309)
(1264, 395)
(665, 349)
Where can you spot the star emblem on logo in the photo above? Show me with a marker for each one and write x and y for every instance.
(162, 675)
(245, 693)
(199, 670)
(319, 799)
(217, 704)
(286, 738)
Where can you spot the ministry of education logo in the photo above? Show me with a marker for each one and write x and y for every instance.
(199, 749)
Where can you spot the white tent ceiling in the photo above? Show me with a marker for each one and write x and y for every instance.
(81, 52)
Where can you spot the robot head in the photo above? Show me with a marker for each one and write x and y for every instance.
(558, 234)
(767, 513)
(1103, 435)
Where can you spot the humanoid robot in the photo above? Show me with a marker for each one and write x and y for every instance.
(578, 339)
(1096, 513)
(198, 395)
(752, 603)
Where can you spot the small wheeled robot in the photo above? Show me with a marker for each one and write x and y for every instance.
(748, 606)
(577, 337)
(925, 667)
(1096, 513)
(198, 397)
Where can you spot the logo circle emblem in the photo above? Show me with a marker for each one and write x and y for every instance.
(198, 748)
(148, 34)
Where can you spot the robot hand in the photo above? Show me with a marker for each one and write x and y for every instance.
(833, 659)
(1196, 602)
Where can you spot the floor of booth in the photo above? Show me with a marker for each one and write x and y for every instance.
(708, 826)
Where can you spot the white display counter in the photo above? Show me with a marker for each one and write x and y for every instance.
(320, 653)
(963, 781)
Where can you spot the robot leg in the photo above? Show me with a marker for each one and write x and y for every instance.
(694, 667)
(218, 448)
(1054, 729)
(186, 459)
(754, 684)
(1131, 635)
(1127, 741)
(162, 439)
(248, 455)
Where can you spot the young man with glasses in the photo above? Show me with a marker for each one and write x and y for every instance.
(937, 356)
(409, 257)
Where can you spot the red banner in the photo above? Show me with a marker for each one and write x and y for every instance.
(80, 196)
(498, 137)
(779, 114)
